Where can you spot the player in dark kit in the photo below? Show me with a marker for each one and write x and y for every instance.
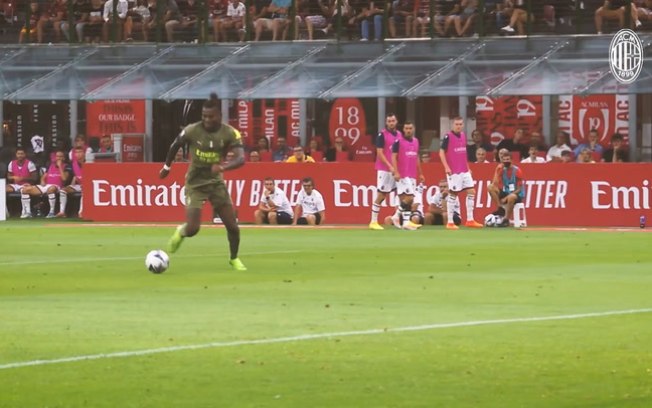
(208, 143)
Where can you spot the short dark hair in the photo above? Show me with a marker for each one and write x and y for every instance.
(456, 118)
(408, 122)
(617, 136)
(593, 130)
(308, 180)
(269, 179)
(21, 149)
(389, 115)
(213, 102)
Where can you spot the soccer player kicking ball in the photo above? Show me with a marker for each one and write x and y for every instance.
(453, 157)
(406, 164)
(208, 143)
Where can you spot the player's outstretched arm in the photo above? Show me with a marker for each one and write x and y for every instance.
(174, 148)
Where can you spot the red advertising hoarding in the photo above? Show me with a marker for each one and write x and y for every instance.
(499, 117)
(608, 114)
(115, 116)
(557, 194)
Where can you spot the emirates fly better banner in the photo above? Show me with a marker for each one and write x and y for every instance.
(556, 194)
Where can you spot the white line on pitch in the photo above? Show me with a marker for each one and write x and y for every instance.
(304, 337)
(131, 258)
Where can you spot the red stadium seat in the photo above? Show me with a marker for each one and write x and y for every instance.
(516, 157)
(342, 156)
(266, 156)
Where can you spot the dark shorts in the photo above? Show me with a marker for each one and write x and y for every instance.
(417, 214)
(282, 218)
(503, 194)
(303, 221)
(216, 194)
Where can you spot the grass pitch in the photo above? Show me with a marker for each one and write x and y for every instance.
(69, 290)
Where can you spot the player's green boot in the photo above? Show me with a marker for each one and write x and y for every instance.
(237, 264)
(175, 240)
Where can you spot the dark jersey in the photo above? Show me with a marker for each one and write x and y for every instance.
(206, 149)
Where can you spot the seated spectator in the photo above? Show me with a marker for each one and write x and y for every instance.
(348, 17)
(437, 213)
(51, 182)
(445, 12)
(566, 156)
(507, 188)
(108, 28)
(644, 10)
(185, 20)
(514, 144)
(533, 155)
(310, 208)
(137, 18)
(372, 15)
(80, 142)
(616, 153)
(313, 14)
(299, 156)
(276, 22)
(615, 10)
(478, 142)
(591, 144)
(585, 156)
(234, 20)
(35, 16)
(21, 177)
(254, 156)
(313, 146)
(274, 207)
(282, 150)
(519, 18)
(463, 22)
(79, 18)
(92, 29)
(537, 140)
(169, 12)
(481, 155)
(263, 145)
(402, 13)
(339, 146)
(75, 184)
(106, 144)
(422, 18)
(180, 157)
(554, 153)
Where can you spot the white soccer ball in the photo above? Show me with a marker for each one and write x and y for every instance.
(490, 220)
(157, 261)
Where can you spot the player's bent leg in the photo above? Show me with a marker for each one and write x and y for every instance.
(310, 218)
(272, 217)
(189, 229)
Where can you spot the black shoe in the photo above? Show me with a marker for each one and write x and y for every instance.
(457, 220)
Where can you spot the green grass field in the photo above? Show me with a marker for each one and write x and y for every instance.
(325, 318)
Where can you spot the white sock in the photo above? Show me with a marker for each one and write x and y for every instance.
(375, 209)
(470, 206)
(450, 208)
(52, 199)
(25, 200)
(63, 200)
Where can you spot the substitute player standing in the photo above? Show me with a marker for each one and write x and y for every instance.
(208, 142)
(407, 167)
(384, 169)
(453, 157)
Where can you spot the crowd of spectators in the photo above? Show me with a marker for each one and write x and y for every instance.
(97, 21)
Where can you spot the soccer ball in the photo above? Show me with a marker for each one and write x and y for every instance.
(157, 261)
(491, 220)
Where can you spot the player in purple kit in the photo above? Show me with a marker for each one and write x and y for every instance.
(458, 175)
(407, 166)
(384, 168)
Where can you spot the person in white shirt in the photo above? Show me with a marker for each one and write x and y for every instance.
(533, 156)
(437, 213)
(235, 19)
(274, 207)
(310, 208)
(481, 155)
(122, 8)
(554, 153)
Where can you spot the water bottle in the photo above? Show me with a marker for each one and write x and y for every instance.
(642, 225)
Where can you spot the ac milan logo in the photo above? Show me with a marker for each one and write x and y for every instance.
(626, 56)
